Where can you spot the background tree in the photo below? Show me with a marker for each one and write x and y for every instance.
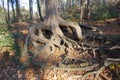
(8, 7)
(31, 9)
(18, 14)
(82, 5)
(39, 9)
(88, 9)
(73, 2)
(104, 2)
(13, 10)
(4, 10)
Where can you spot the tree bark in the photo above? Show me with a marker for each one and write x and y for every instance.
(53, 19)
(8, 6)
(104, 3)
(18, 14)
(31, 9)
(81, 10)
(4, 10)
(88, 9)
(13, 10)
(39, 9)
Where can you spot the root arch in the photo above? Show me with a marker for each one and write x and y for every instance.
(48, 36)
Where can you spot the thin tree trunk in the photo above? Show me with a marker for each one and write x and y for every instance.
(39, 10)
(72, 2)
(81, 11)
(68, 4)
(13, 10)
(104, 3)
(18, 14)
(31, 9)
(8, 7)
(88, 9)
(82, 6)
(4, 10)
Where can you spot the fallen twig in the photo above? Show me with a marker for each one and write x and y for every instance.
(111, 59)
(89, 68)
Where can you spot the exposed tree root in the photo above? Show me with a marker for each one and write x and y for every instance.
(51, 38)
(46, 40)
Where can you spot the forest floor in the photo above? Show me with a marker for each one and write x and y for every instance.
(11, 71)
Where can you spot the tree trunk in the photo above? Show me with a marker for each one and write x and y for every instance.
(73, 2)
(18, 14)
(13, 10)
(68, 4)
(31, 9)
(4, 10)
(53, 19)
(39, 10)
(8, 11)
(104, 3)
(88, 9)
(81, 11)
(82, 6)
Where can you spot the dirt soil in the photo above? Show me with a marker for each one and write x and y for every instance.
(12, 71)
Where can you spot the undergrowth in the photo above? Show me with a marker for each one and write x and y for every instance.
(6, 38)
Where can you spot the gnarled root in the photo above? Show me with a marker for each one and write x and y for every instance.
(46, 39)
